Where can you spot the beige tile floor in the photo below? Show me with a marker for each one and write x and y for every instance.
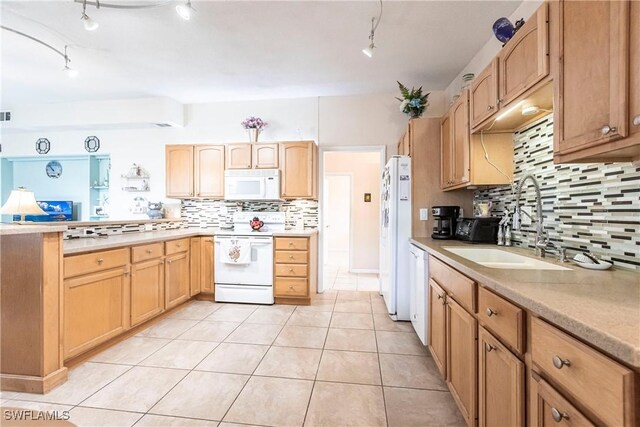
(338, 277)
(340, 361)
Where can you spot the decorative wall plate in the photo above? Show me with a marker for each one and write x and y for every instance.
(54, 169)
(92, 144)
(43, 146)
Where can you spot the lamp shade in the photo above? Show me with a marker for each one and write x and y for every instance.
(21, 202)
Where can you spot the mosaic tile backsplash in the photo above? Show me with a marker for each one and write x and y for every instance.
(219, 213)
(586, 207)
(76, 232)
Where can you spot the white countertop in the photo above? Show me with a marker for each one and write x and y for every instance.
(11, 229)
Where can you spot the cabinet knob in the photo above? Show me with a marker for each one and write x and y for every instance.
(290, 256)
(290, 243)
(291, 287)
(169, 261)
(100, 260)
(490, 312)
(636, 120)
(149, 251)
(488, 347)
(490, 107)
(291, 270)
(558, 416)
(606, 129)
(559, 363)
(178, 245)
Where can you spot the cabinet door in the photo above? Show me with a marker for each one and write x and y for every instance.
(634, 72)
(462, 359)
(500, 384)
(209, 171)
(147, 290)
(179, 170)
(95, 309)
(524, 60)
(446, 146)
(437, 326)
(195, 268)
(176, 279)
(206, 265)
(461, 139)
(591, 89)
(299, 169)
(484, 94)
(238, 156)
(265, 156)
(550, 408)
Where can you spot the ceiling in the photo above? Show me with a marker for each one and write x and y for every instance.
(239, 50)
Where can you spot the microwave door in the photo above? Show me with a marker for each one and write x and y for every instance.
(249, 188)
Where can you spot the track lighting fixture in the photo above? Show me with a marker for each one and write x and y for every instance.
(89, 24)
(71, 72)
(185, 11)
(368, 51)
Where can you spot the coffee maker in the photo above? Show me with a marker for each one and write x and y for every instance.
(445, 217)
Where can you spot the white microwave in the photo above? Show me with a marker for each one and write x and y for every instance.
(252, 184)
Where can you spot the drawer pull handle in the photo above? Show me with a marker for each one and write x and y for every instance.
(490, 312)
(178, 245)
(290, 243)
(490, 107)
(559, 363)
(169, 261)
(636, 120)
(100, 260)
(488, 347)
(149, 251)
(558, 416)
(291, 270)
(291, 287)
(290, 256)
(606, 129)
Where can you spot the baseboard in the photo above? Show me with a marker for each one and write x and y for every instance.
(33, 384)
(364, 270)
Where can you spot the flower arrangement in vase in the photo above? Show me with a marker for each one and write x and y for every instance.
(254, 125)
(413, 102)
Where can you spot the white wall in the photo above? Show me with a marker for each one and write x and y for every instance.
(490, 49)
(345, 120)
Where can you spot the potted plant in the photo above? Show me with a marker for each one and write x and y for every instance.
(254, 126)
(413, 102)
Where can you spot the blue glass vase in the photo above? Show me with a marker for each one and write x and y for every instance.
(503, 29)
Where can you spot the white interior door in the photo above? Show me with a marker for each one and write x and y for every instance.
(338, 219)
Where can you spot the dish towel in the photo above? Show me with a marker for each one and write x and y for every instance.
(235, 251)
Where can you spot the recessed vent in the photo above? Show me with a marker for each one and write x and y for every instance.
(5, 116)
(163, 125)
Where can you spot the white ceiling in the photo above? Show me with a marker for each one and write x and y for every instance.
(238, 50)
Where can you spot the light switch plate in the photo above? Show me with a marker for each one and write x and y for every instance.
(526, 220)
(424, 214)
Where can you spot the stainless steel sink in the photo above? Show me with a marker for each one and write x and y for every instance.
(498, 258)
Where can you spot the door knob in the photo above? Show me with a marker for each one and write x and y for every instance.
(606, 129)
(558, 416)
(559, 363)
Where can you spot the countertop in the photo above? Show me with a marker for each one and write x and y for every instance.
(600, 307)
(76, 246)
(11, 229)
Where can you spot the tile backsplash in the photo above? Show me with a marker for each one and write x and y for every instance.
(76, 232)
(219, 213)
(593, 207)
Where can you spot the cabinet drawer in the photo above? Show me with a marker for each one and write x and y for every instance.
(551, 408)
(291, 257)
(598, 383)
(460, 287)
(96, 261)
(292, 243)
(291, 287)
(145, 252)
(502, 318)
(291, 270)
(177, 246)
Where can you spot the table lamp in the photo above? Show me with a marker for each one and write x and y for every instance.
(21, 202)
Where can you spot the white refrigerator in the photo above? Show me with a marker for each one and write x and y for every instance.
(395, 203)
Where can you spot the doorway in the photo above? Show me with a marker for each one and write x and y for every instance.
(350, 218)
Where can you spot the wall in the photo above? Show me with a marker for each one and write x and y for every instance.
(592, 207)
(365, 217)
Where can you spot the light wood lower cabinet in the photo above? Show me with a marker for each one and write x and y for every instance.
(500, 384)
(147, 290)
(176, 279)
(195, 268)
(438, 326)
(206, 265)
(295, 269)
(462, 359)
(551, 409)
(96, 308)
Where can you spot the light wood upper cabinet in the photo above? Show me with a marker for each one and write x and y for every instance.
(500, 384)
(299, 166)
(460, 136)
(147, 290)
(206, 265)
(176, 279)
(524, 60)
(96, 308)
(238, 156)
(179, 171)
(484, 95)
(591, 90)
(265, 156)
(209, 171)
(462, 359)
(447, 179)
(634, 73)
(438, 327)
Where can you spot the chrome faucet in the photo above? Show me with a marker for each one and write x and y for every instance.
(542, 242)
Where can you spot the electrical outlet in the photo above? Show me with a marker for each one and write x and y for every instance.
(461, 212)
(424, 214)
(148, 227)
(526, 220)
(88, 231)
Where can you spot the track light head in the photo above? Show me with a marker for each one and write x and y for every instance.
(89, 24)
(72, 73)
(185, 11)
(369, 50)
